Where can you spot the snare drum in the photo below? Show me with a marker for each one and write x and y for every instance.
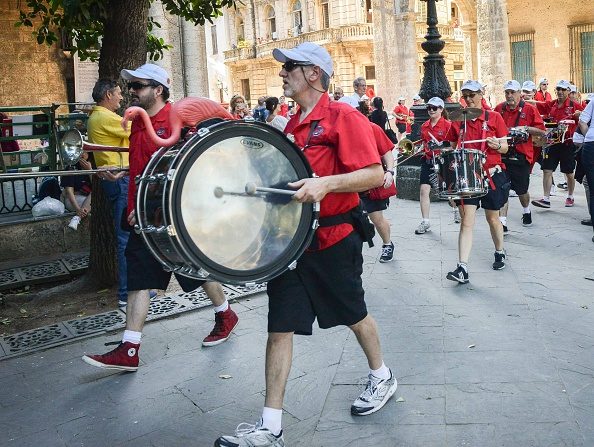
(460, 174)
(197, 219)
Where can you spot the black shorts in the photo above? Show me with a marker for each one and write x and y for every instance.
(519, 174)
(426, 171)
(371, 206)
(325, 284)
(495, 198)
(559, 154)
(145, 272)
(401, 127)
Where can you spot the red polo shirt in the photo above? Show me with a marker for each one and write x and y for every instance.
(142, 147)
(341, 142)
(383, 143)
(401, 110)
(495, 127)
(439, 131)
(538, 96)
(561, 112)
(528, 116)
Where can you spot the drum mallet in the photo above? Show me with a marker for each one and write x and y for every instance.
(251, 189)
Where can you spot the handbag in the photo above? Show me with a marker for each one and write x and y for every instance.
(381, 193)
(390, 133)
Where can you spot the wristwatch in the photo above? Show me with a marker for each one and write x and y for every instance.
(390, 171)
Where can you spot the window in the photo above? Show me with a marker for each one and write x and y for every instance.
(213, 38)
(297, 18)
(245, 89)
(370, 72)
(369, 11)
(421, 9)
(522, 57)
(271, 17)
(581, 51)
(240, 29)
(325, 14)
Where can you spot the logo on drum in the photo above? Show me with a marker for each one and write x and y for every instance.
(252, 143)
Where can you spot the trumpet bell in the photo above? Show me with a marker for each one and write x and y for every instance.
(71, 147)
(406, 146)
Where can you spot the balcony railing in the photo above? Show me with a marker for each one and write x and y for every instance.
(357, 32)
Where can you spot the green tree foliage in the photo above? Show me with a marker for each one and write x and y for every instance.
(83, 22)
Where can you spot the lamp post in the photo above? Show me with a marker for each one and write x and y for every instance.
(435, 82)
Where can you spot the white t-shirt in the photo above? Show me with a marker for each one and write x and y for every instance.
(352, 100)
(586, 117)
(279, 122)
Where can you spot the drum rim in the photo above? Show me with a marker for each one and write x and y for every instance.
(193, 254)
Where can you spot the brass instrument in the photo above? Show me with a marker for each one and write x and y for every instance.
(71, 148)
(408, 149)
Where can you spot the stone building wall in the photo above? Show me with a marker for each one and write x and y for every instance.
(31, 74)
(551, 35)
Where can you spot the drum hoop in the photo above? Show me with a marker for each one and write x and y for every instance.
(218, 132)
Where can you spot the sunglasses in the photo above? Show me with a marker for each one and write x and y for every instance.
(138, 85)
(469, 95)
(559, 89)
(544, 84)
(432, 108)
(289, 66)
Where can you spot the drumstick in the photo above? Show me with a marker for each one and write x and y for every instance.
(480, 141)
(433, 138)
(251, 189)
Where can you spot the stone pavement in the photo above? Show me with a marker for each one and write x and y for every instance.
(507, 360)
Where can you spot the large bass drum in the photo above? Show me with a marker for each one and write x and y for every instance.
(197, 219)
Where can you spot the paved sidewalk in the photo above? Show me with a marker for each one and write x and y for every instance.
(507, 360)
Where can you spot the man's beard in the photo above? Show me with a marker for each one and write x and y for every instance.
(145, 103)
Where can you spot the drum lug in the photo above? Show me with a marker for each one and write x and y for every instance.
(203, 131)
(170, 174)
(171, 231)
(293, 265)
(137, 180)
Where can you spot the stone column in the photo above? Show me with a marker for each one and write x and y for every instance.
(470, 51)
(193, 48)
(494, 64)
(395, 50)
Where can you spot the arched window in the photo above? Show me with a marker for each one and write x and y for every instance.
(271, 19)
(297, 17)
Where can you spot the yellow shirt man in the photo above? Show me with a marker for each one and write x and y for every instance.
(103, 127)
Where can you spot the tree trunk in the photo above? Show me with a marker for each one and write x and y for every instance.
(123, 46)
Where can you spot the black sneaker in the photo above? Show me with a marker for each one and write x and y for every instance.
(505, 230)
(387, 252)
(542, 203)
(527, 219)
(587, 222)
(460, 275)
(562, 185)
(499, 263)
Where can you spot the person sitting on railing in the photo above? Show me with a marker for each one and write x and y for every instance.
(77, 192)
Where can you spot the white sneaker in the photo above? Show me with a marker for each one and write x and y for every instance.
(553, 191)
(248, 435)
(74, 222)
(423, 228)
(376, 394)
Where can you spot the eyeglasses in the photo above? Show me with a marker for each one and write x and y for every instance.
(560, 89)
(544, 84)
(469, 95)
(432, 108)
(289, 66)
(138, 85)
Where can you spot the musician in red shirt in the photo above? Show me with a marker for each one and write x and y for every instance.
(433, 131)
(542, 94)
(519, 159)
(490, 128)
(402, 117)
(562, 152)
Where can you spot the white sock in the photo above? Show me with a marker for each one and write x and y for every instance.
(527, 209)
(546, 198)
(223, 307)
(464, 266)
(501, 252)
(382, 373)
(426, 221)
(272, 419)
(132, 337)
(503, 220)
(570, 196)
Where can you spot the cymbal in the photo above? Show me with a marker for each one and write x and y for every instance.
(461, 114)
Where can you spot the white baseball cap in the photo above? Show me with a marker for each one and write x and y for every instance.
(148, 71)
(512, 85)
(572, 88)
(543, 81)
(436, 101)
(473, 86)
(306, 52)
(402, 98)
(528, 86)
(416, 98)
(564, 84)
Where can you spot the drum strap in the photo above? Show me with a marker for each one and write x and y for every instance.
(357, 217)
(312, 127)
